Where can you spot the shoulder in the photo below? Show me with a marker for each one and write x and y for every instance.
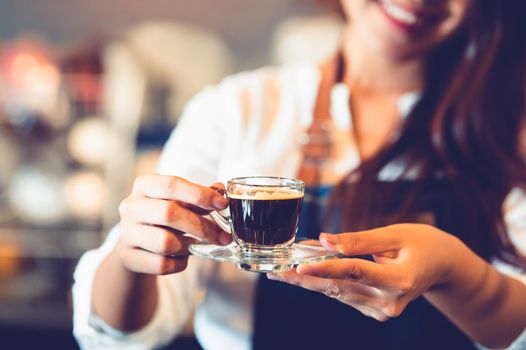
(250, 94)
(294, 73)
(256, 96)
(270, 82)
(248, 90)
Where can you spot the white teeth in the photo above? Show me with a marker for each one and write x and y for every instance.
(399, 13)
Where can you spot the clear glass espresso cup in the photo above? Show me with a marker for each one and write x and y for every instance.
(264, 213)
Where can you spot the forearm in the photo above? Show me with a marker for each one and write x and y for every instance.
(487, 305)
(124, 299)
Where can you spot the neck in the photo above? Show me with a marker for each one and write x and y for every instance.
(370, 71)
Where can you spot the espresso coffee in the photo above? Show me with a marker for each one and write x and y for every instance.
(265, 218)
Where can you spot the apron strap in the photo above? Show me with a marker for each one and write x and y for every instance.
(316, 141)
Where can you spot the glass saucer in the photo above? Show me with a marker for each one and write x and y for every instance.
(302, 252)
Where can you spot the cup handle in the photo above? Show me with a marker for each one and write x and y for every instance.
(221, 220)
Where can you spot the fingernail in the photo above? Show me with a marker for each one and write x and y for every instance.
(225, 238)
(219, 203)
(219, 189)
(329, 238)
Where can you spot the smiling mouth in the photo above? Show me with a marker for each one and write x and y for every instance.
(408, 17)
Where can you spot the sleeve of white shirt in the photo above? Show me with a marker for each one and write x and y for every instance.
(515, 218)
(192, 152)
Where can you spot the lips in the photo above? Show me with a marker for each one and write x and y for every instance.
(409, 17)
(399, 13)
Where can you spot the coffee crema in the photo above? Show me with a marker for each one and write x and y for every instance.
(266, 195)
(265, 217)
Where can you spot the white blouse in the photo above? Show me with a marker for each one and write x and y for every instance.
(249, 124)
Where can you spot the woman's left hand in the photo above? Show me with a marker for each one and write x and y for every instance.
(409, 259)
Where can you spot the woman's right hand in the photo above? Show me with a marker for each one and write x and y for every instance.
(155, 217)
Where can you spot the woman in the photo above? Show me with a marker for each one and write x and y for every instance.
(437, 91)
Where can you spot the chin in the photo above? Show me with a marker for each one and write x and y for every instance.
(394, 48)
(399, 32)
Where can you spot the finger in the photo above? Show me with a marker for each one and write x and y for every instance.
(141, 261)
(354, 270)
(330, 287)
(179, 189)
(364, 299)
(217, 186)
(371, 312)
(194, 208)
(310, 242)
(171, 229)
(167, 213)
(158, 240)
(362, 243)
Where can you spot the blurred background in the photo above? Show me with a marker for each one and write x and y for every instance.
(89, 92)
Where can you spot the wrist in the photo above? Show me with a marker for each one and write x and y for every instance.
(127, 275)
(125, 299)
(464, 272)
(453, 262)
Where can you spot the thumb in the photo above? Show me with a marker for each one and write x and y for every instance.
(361, 243)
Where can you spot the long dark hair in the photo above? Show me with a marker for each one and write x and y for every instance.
(466, 127)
